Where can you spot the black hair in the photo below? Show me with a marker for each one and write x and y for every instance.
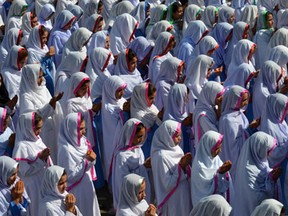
(151, 89)
(139, 127)
(37, 118)
(175, 6)
(131, 54)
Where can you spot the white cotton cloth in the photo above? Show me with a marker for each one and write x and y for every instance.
(46, 11)
(208, 16)
(161, 26)
(279, 54)
(268, 207)
(191, 13)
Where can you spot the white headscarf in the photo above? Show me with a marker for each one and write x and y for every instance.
(161, 26)
(268, 207)
(196, 74)
(213, 205)
(175, 108)
(251, 186)
(98, 40)
(205, 167)
(49, 188)
(7, 167)
(76, 42)
(26, 25)
(128, 197)
(16, 8)
(205, 107)
(46, 11)
(162, 43)
(225, 13)
(279, 54)
(249, 15)
(141, 47)
(97, 70)
(121, 69)
(141, 107)
(139, 12)
(280, 37)
(268, 82)
(92, 22)
(190, 14)
(208, 16)
(170, 70)
(122, 32)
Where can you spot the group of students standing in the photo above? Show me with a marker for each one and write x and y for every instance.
(179, 106)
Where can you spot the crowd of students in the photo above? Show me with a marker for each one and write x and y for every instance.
(180, 107)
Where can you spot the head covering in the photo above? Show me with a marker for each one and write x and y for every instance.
(12, 60)
(249, 15)
(92, 22)
(214, 205)
(268, 207)
(252, 172)
(190, 14)
(34, 42)
(75, 10)
(268, 82)
(63, 19)
(280, 37)
(208, 16)
(140, 11)
(170, 70)
(162, 43)
(49, 188)
(141, 47)
(196, 30)
(97, 69)
(122, 32)
(17, 8)
(279, 54)
(161, 26)
(205, 166)
(119, 8)
(205, 107)
(225, 13)
(157, 14)
(26, 23)
(175, 108)
(46, 11)
(3, 115)
(131, 186)
(196, 74)
(141, 107)
(7, 167)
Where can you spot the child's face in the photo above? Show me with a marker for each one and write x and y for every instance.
(37, 129)
(151, 98)
(270, 21)
(177, 138)
(107, 44)
(119, 93)
(245, 100)
(141, 195)
(83, 90)
(40, 78)
(245, 33)
(231, 19)
(44, 37)
(62, 184)
(99, 26)
(13, 177)
(132, 64)
(139, 137)
(34, 21)
(178, 14)
(82, 128)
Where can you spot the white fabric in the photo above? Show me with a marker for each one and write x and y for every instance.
(26, 27)
(190, 14)
(26, 151)
(98, 40)
(71, 156)
(225, 13)
(111, 112)
(97, 71)
(128, 158)
(132, 78)
(268, 207)
(156, 15)
(252, 183)
(208, 16)
(141, 108)
(92, 22)
(213, 205)
(169, 74)
(167, 173)
(46, 11)
(206, 179)
(204, 116)
(249, 15)
(129, 204)
(266, 84)
(122, 32)
(161, 26)
(280, 37)
(279, 54)
(141, 47)
(175, 108)
(232, 125)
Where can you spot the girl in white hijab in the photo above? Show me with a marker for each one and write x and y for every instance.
(205, 115)
(209, 174)
(16, 11)
(78, 159)
(280, 37)
(132, 199)
(163, 45)
(269, 207)
(97, 71)
(55, 199)
(226, 14)
(197, 75)
(29, 21)
(113, 105)
(249, 15)
(126, 68)
(233, 124)
(279, 54)
(12, 37)
(13, 197)
(129, 158)
(195, 31)
(99, 39)
(94, 23)
(171, 170)
(241, 70)
(35, 97)
(255, 180)
(46, 15)
(210, 16)
(213, 205)
(269, 81)
(171, 71)
(7, 136)
(77, 42)
(122, 33)
(142, 108)
(161, 26)
(191, 13)
(157, 14)
(32, 155)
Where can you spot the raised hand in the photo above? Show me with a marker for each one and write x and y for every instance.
(91, 156)
(44, 154)
(151, 211)
(70, 201)
(55, 99)
(185, 160)
(226, 166)
(17, 192)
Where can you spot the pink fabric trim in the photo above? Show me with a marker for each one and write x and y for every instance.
(122, 87)
(246, 28)
(199, 127)
(177, 130)
(215, 183)
(240, 99)
(249, 78)
(130, 144)
(167, 47)
(284, 113)
(171, 192)
(220, 93)
(134, 30)
(3, 119)
(20, 35)
(188, 171)
(218, 143)
(96, 23)
(273, 147)
(127, 59)
(80, 84)
(78, 128)
(106, 62)
(228, 191)
(146, 94)
(76, 183)
(203, 35)
(28, 160)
